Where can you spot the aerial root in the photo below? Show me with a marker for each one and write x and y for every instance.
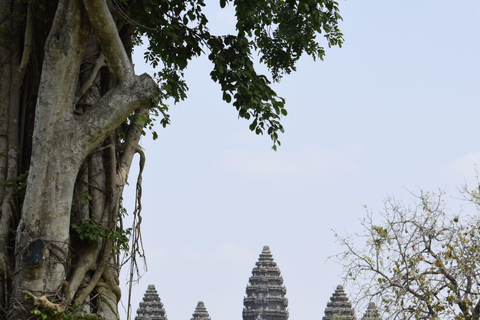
(111, 284)
(44, 303)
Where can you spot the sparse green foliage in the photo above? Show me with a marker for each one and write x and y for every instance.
(86, 198)
(71, 313)
(419, 261)
(40, 313)
(19, 185)
(92, 232)
(279, 31)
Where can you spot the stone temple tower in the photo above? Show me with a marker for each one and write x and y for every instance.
(265, 298)
(151, 308)
(339, 308)
(371, 313)
(201, 312)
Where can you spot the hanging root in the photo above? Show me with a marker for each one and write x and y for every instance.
(137, 245)
(43, 302)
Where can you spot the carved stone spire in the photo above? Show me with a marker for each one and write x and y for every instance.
(339, 307)
(201, 312)
(151, 308)
(371, 313)
(265, 298)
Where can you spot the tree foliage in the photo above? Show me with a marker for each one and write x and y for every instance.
(279, 31)
(420, 261)
(72, 112)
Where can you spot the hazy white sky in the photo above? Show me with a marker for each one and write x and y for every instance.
(395, 109)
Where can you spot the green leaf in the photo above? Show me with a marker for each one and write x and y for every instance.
(253, 125)
(227, 97)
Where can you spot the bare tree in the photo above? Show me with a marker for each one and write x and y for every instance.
(419, 261)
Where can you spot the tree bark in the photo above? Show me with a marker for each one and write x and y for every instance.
(10, 51)
(43, 234)
(62, 140)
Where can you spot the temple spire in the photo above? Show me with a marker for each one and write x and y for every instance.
(201, 312)
(339, 307)
(265, 298)
(371, 313)
(151, 308)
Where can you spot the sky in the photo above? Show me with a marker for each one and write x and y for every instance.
(394, 111)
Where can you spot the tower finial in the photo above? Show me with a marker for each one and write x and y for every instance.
(201, 312)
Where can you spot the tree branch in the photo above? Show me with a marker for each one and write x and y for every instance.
(108, 38)
(114, 107)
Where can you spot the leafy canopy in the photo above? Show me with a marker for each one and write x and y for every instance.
(278, 31)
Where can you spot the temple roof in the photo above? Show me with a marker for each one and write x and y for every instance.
(265, 298)
(201, 312)
(371, 313)
(339, 307)
(151, 308)
(266, 254)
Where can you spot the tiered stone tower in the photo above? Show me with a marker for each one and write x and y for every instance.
(339, 307)
(201, 312)
(265, 298)
(371, 313)
(151, 308)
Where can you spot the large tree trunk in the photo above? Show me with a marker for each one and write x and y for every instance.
(43, 235)
(76, 166)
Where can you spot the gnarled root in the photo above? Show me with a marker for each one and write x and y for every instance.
(44, 303)
(111, 283)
